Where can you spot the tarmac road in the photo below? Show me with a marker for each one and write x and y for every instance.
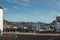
(30, 36)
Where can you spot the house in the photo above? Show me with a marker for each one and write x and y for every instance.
(58, 23)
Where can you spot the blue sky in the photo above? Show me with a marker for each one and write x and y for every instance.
(31, 10)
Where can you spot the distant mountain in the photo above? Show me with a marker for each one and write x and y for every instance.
(41, 23)
(9, 23)
(54, 22)
(34, 22)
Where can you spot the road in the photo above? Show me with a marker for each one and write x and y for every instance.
(33, 34)
(30, 36)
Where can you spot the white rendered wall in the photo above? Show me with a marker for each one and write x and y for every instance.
(1, 21)
(58, 27)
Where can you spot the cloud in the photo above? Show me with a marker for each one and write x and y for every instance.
(53, 3)
(57, 4)
(52, 11)
(5, 9)
(26, 1)
(58, 15)
(15, 7)
(12, 1)
(19, 2)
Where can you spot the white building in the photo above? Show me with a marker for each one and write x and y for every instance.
(1, 20)
(58, 23)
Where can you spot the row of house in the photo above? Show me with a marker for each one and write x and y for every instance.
(31, 25)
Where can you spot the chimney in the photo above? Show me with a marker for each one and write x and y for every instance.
(1, 20)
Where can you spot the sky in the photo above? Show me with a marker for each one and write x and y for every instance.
(31, 10)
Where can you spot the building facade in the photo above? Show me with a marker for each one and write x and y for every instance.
(58, 23)
(1, 20)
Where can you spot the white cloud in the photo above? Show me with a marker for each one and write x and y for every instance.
(26, 1)
(5, 9)
(52, 11)
(15, 7)
(19, 2)
(12, 1)
(58, 15)
(53, 3)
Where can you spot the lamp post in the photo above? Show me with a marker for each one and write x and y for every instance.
(1, 20)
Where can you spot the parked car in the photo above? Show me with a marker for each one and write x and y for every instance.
(10, 29)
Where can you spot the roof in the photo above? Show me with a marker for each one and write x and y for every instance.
(58, 19)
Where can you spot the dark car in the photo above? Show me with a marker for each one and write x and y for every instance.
(10, 29)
